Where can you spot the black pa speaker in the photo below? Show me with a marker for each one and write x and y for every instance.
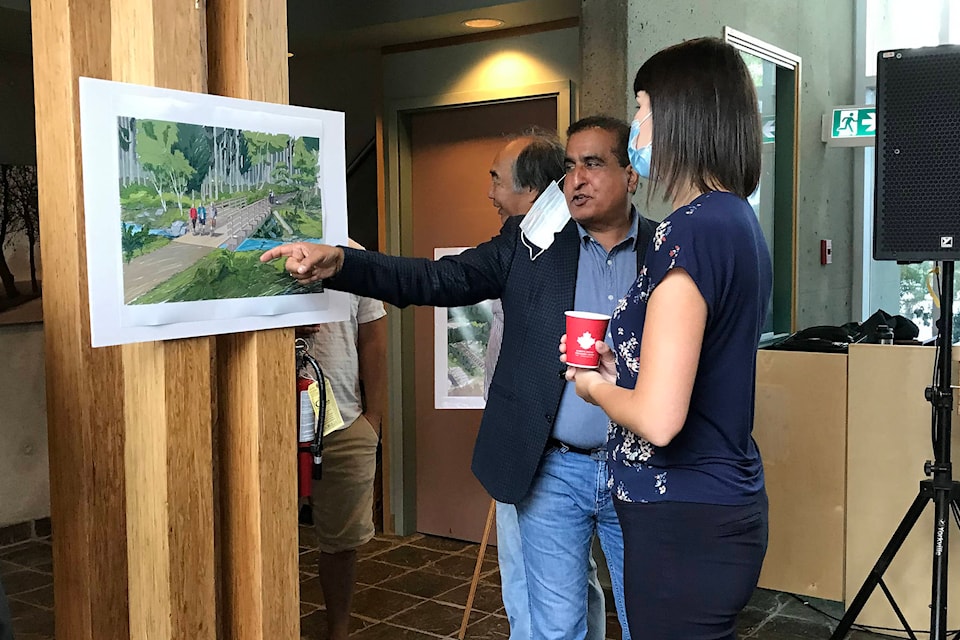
(917, 197)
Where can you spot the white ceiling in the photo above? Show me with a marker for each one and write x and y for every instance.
(329, 25)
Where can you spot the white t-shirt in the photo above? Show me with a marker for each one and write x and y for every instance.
(334, 345)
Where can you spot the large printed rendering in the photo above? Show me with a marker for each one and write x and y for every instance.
(183, 192)
(200, 204)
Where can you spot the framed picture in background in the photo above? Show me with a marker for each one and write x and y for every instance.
(461, 335)
(20, 267)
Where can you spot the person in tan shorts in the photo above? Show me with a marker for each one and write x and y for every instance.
(348, 352)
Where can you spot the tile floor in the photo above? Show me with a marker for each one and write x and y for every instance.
(409, 588)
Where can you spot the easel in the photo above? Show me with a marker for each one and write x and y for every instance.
(491, 513)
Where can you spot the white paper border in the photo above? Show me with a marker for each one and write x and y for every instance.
(112, 322)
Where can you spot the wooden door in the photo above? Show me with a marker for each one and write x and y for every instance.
(451, 153)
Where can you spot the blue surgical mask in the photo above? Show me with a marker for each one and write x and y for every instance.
(639, 158)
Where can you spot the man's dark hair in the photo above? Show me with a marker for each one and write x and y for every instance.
(616, 126)
(706, 124)
(540, 162)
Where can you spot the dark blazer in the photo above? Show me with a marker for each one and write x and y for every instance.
(525, 391)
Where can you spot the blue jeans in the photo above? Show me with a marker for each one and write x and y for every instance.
(567, 505)
(513, 581)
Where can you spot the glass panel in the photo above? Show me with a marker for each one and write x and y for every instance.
(954, 21)
(916, 302)
(764, 74)
(899, 24)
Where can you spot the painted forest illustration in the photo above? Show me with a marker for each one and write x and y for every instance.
(200, 203)
(20, 280)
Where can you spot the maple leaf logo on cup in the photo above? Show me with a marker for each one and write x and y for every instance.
(586, 340)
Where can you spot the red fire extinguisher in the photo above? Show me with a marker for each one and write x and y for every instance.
(310, 430)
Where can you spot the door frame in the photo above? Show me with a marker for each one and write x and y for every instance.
(397, 232)
(787, 176)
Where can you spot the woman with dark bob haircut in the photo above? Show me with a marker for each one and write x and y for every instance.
(685, 471)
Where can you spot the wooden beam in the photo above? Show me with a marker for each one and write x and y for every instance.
(247, 54)
(258, 492)
(169, 476)
(257, 430)
(169, 414)
(129, 427)
(84, 385)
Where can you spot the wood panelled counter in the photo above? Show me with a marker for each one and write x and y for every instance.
(801, 429)
(844, 439)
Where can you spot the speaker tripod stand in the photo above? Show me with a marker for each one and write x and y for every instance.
(941, 489)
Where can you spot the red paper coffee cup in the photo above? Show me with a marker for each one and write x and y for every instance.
(583, 330)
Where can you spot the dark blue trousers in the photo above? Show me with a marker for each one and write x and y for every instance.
(690, 568)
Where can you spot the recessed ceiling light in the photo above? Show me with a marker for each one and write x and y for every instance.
(482, 23)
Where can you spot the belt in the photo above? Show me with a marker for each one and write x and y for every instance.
(559, 444)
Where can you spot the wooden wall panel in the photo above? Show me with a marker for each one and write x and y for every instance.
(130, 427)
(84, 385)
(801, 429)
(169, 420)
(257, 423)
(889, 439)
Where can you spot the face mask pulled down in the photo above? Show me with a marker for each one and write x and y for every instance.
(548, 215)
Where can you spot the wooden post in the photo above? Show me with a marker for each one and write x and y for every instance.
(257, 433)
(170, 408)
(84, 412)
(129, 427)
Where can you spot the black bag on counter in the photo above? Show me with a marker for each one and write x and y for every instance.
(868, 332)
(829, 339)
(821, 339)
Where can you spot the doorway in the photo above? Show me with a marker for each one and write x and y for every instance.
(451, 150)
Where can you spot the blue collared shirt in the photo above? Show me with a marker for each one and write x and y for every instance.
(602, 279)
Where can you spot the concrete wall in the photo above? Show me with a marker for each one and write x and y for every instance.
(24, 478)
(821, 32)
(603, 57)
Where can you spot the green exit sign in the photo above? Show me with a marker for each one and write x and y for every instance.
(769, 128)
(854, 123)
(850, 126)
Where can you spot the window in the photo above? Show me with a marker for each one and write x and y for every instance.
(776, 76)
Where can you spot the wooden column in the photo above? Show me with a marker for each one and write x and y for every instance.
(170, 403)
(84, 385)
(257, 423)
(129, 427)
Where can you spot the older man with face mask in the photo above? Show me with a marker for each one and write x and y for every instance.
(520, 172)
(539, 446)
